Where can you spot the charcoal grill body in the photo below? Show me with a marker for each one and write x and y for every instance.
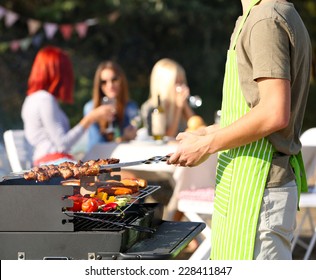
(34, 225)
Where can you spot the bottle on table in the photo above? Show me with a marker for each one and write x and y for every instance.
(158, 121)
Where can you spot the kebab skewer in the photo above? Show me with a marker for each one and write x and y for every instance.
(68, 170)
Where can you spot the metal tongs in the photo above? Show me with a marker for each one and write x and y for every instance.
(155, 159)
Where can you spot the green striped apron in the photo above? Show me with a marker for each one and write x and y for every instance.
(241, 174)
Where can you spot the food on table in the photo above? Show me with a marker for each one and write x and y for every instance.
(195, 122)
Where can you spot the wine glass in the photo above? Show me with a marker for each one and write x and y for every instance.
(109, 101)
(195, 101)
(137, 121)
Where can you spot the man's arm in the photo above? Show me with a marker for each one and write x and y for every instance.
(271, 114)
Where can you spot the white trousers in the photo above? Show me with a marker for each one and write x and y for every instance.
(277, 222)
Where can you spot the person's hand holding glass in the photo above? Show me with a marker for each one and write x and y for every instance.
(183, 91)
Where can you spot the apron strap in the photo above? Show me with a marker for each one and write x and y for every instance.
(300, 174)
(252, 4)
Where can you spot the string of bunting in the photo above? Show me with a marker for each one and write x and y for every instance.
(35, 38)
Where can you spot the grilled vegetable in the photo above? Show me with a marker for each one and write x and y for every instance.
(91, 205)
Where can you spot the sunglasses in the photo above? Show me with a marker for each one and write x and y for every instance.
(113, 80)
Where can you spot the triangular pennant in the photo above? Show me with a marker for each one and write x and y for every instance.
(25, 43)
(82, 29)
(91, 21)
(50, 29)
(2, 12)
(37, 40)
(4, 47)
(14, 45)
(33, 25)
(113, 17)
(10, 18)
(66, 31)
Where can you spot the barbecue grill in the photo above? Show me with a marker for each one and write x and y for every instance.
(35, 224)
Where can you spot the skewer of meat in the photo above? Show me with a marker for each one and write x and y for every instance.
(68, 170)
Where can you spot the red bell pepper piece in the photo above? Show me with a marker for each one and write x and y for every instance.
(90, 205)
(77, 199)
(109, 206)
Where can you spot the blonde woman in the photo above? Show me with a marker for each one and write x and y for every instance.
(168, 80)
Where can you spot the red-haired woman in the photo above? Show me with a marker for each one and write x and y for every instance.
(46, 126)
(110, 82)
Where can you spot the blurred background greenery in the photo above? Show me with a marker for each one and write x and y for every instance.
(136, 33)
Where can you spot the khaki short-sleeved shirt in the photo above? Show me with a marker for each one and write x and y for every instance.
(274, 43)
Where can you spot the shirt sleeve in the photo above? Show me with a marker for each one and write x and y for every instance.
(270, 50)
(94, 135)
(57, 127)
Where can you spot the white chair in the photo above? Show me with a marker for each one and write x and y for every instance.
(19, 151)
(307, 201)
(308, 137)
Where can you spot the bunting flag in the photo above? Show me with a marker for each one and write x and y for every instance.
(2, 12)
(66, 30)
(10, 18)
(34, 26)
(25, 44)
(82, 29)
(14, 45)
(50, 29)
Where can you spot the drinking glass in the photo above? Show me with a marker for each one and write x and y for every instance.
(195, 101)
(110, 129)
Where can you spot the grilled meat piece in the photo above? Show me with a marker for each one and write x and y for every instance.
(53, 172)
(42, 176)
(31, 175)
(76, 171)
(93, 170)
(65, 172)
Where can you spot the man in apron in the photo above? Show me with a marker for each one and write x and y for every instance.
(260, 171)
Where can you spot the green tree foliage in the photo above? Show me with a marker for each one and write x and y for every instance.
(136, 33)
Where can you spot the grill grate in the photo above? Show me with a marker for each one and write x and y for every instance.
(138, 217)
(91, 222)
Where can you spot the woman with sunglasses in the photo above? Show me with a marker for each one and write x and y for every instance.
(111, 87)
